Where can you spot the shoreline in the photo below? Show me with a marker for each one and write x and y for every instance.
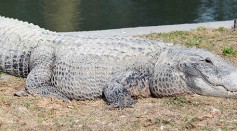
(152, 29)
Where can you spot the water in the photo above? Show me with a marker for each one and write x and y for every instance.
(84, 15)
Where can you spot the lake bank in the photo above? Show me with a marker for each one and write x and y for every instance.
(153, 29)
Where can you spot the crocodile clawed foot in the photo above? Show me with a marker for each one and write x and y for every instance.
(123, 104)
(118, 96)
(123, 101)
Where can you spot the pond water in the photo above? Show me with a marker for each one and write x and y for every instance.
(84, 15)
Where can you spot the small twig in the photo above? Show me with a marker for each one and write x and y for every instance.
(235, 25)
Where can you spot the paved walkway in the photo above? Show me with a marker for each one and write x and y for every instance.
(154, 29)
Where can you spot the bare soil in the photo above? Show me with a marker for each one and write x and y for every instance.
(191, 112)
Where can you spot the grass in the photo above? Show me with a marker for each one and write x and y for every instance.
(191, 112)
(229, 52)
(221, 41)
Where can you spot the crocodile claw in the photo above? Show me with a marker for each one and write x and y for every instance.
(123, 101)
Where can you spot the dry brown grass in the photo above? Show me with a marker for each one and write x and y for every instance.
(192, 112)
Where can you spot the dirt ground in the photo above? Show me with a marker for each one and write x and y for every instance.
(191, 112)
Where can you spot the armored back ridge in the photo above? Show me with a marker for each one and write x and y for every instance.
(119, 68)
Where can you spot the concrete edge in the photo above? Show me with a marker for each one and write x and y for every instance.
(153, 29)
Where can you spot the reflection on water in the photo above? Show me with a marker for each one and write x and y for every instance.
(109, 14)
(79, 15)
(212, 10)
(60, 15)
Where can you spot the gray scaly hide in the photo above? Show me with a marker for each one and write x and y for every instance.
(73, 67)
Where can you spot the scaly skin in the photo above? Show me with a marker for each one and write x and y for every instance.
(69, 67)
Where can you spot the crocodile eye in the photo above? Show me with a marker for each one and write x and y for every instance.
(207, 60)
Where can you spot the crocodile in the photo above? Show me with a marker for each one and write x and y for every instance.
(118, 69)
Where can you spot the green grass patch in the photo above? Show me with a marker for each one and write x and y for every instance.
(229, 52)
(182, 37)
(221, 41)
(201, 29)
(220, 29)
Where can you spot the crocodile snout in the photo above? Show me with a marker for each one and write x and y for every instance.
(230, 82)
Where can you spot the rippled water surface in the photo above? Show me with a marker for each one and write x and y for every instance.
(82, 15)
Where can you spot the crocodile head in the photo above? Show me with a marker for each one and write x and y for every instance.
(208, 74)
(196, 71)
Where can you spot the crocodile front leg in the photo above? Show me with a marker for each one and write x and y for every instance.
(39, 79)
(128, 84)
(118, 96)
